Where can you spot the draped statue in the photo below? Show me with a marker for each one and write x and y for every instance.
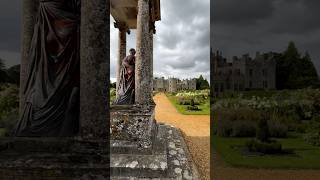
(125, 91)
(52, 88)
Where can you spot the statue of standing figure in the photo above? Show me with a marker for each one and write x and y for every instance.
(125, 91)
(52, 89)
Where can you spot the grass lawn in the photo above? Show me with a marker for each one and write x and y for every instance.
(306, 156)
(2, 132)
(205, 108)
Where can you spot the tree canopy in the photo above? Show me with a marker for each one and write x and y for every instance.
(3, 74)
(295, 71)
(202, 83)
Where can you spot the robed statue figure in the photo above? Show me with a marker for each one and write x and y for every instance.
(52, 88)
(125, 91)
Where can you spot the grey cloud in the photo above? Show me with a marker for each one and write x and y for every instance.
(10, 18)
(242, 12)
(280, 21)
(182, 40)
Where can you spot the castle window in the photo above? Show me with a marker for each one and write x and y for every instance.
(250, 72)
(241, 87)
(228, 86)
(238, 72)
(265, 84)
(264, 72)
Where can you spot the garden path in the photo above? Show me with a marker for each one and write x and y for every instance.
(196, 130)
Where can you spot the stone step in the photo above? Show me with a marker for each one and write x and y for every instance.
(134, 162)
(139, 165)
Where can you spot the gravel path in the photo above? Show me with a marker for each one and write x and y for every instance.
(196, 129)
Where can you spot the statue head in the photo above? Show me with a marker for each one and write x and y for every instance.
(132, 51)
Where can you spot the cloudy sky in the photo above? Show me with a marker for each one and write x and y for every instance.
(247, 26)
(10, 28)
(182, 41)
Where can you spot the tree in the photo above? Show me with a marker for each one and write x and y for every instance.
(113, 85)
(202, 83)
(263, 133)
(3, 74)
(294, 71)
(14, 74)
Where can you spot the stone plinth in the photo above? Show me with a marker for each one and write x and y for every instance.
(169, 159)
(132, 125)
(53, 159)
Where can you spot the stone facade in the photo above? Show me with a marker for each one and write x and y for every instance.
(243, 73)
(173, 84)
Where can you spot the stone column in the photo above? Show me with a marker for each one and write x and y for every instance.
(151, 58)
(94, 70)
(122, 48)
(143, 89)
(29, 8)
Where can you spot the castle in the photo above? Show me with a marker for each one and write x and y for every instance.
(173, 84)
(244, 73)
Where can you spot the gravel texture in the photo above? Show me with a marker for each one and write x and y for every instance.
(196, 130)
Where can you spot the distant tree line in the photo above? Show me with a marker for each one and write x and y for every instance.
(295, 71)
(10, 75)
(202, 83)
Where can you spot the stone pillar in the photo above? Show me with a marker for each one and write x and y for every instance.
(94, 70)
(151, 58)
(122, 48)
(29, 8)
(143, 89)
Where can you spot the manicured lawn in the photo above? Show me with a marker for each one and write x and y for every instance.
(205, 107)
(2, 132)
(305, 156)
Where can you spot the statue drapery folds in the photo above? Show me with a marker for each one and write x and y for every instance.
(125, 91)
(52, 89)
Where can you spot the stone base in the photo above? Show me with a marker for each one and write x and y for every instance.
(169, 159)
(53, 159)
(132, 125)
(72, 159)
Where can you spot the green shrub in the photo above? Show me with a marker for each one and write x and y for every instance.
(242, 113)
(193, 108)
(3, 132)
(263, 133)
(8, 121)
(9, 98)
(224, 128)
(272, 147)
(314, 125)
(277, 129)
(242, 128)
(312, 138)
(184, 100)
